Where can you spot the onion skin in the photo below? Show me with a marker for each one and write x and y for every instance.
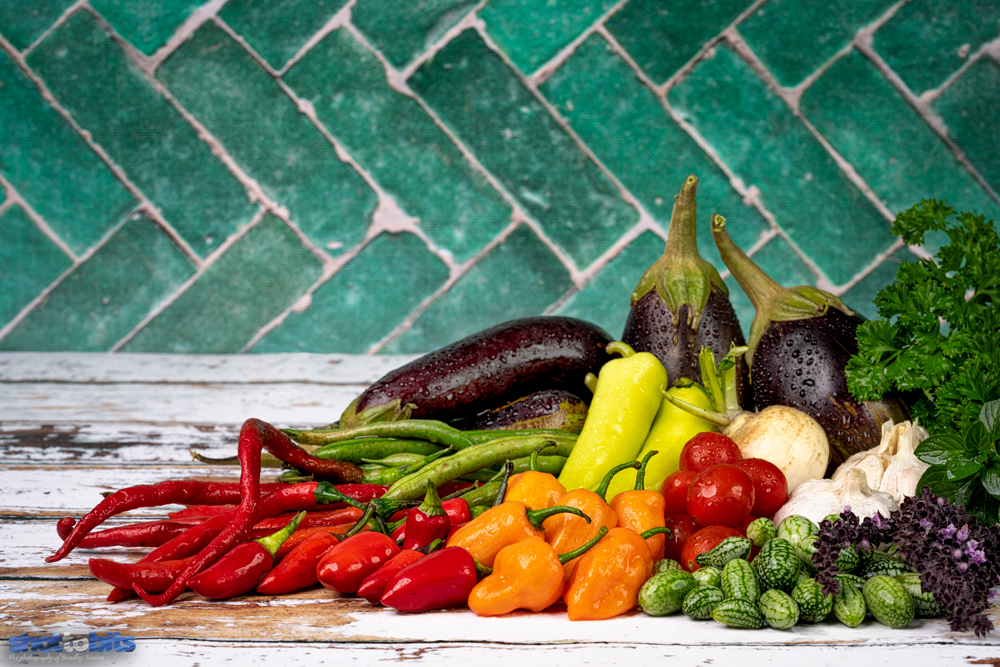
(788, 438)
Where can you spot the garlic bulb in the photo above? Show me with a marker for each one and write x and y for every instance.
(890, 466)
(817, 498)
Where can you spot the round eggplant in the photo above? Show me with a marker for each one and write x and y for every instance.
(681, 304)
(800, 341)
(487, 369)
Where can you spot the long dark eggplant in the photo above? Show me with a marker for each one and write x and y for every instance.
(800, 341)
(681, 304)
(549, 408)
(487, 369)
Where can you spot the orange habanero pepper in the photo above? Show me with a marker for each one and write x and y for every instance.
(538, 490)
(526, 575)
(501, 526)
(607, 579)
(641, 510)
(566, 533)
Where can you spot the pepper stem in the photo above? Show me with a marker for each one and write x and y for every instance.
(274, 541)
(508, 468)
(602, 489)
(533, 459)
(716, 418)
(661, 530)
(361, 523)
(624, 350)
(640, 477)
(536, 517)
(590, 381)
(482, 571)
(432, 502)
(326, 493)
(579, 551)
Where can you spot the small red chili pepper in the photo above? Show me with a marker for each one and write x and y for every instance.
(374, 584)
(242, 568)
(313, 519)
(201, 511)
(146, 534)
(154, 577)
(299, 536)
(346, 565)
(426, 522)
(457, 510)
(298, 569)
(437, 581)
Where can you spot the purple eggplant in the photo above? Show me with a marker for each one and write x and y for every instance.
(484, 370)
(800, 341)
(681, 304)
(549, 409)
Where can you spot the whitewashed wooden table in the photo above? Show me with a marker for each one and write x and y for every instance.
(75, 425)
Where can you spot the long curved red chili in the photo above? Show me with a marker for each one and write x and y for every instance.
(146, 534)
(155, 577)
(332, 470)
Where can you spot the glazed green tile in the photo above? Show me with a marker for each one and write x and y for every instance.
(364, 301)
(159, 151)
(277, 29)
(928, 40)
(758, 137)
(885, 139)
(794, 38)
(52, 167)
(970, 108)
(29, 262)
(276, 144)
(514, 136)
(253, 282)
(146, 24)
(628, 129)
(104, 298)
(662, 36)
(393, 139)
(404, 30)
(531, 33)
(22, 22)
(778, 260)
(862, 294)
(606, 299)
(519, 278)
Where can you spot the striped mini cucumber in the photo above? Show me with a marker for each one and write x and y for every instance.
(665, 564)
(847, 560)
(793, 528)
(699, 603)
(761, 531)
(813, 605)
(848, 578)
(888, 601)
(708, 576)
(777, 565)
(924, 604)
(849, 604)
(739, 582)
(778, 609)
(886, 567)
(663, 593)
(739, 613)
(725, 551)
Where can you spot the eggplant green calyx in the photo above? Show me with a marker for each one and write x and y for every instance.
(680, 276)
(386, 412)
(771, 301)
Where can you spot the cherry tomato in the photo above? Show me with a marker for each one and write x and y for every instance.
(721, 495)
(704, 540)
(707, 449)
(675, 491)
(769, 485)
(682, 527)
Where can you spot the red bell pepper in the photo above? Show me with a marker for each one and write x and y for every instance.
(437, 581)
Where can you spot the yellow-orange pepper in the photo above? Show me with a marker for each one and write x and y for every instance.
(501, 526)
(641, 510)
(607, 579)
(526, 575)
(538, 490)
(566, 532)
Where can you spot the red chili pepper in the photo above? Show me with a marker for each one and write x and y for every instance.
(426, 522)
(313, 519)
(346, 565)
(202, 511)
(242, 568)
(299, 536)
(284, 449)
(363, 493)
(146, 534)
(298, 569)
(154, 577)
(437, 581)
(457, 510)
(374, 584)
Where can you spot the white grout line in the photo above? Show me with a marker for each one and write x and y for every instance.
(547, 69)
(15, 198)
(7, 203)
(197, 18)
(52, 28)
(216, 253)
(340, 19)
(988, 49)
(154, 212)
(461, 26)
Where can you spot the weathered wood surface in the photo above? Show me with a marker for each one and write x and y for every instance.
(56, 462)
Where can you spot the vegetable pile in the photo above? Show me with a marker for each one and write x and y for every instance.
(541, 461)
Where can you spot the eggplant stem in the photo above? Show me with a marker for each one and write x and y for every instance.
(716, 418)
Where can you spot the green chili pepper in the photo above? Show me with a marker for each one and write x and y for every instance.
(424, 429)
(359, 449)
(626, 400)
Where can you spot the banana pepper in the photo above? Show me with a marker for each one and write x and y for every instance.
(626, 399)
(640, 510)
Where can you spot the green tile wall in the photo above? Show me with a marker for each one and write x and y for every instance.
(413, 172)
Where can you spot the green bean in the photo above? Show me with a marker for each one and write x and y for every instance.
(479, 437)
(355, 451)
(385, 476)
(396, 460)
(473, 458)
(423, 429)
(482, 495)
(550, 464)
